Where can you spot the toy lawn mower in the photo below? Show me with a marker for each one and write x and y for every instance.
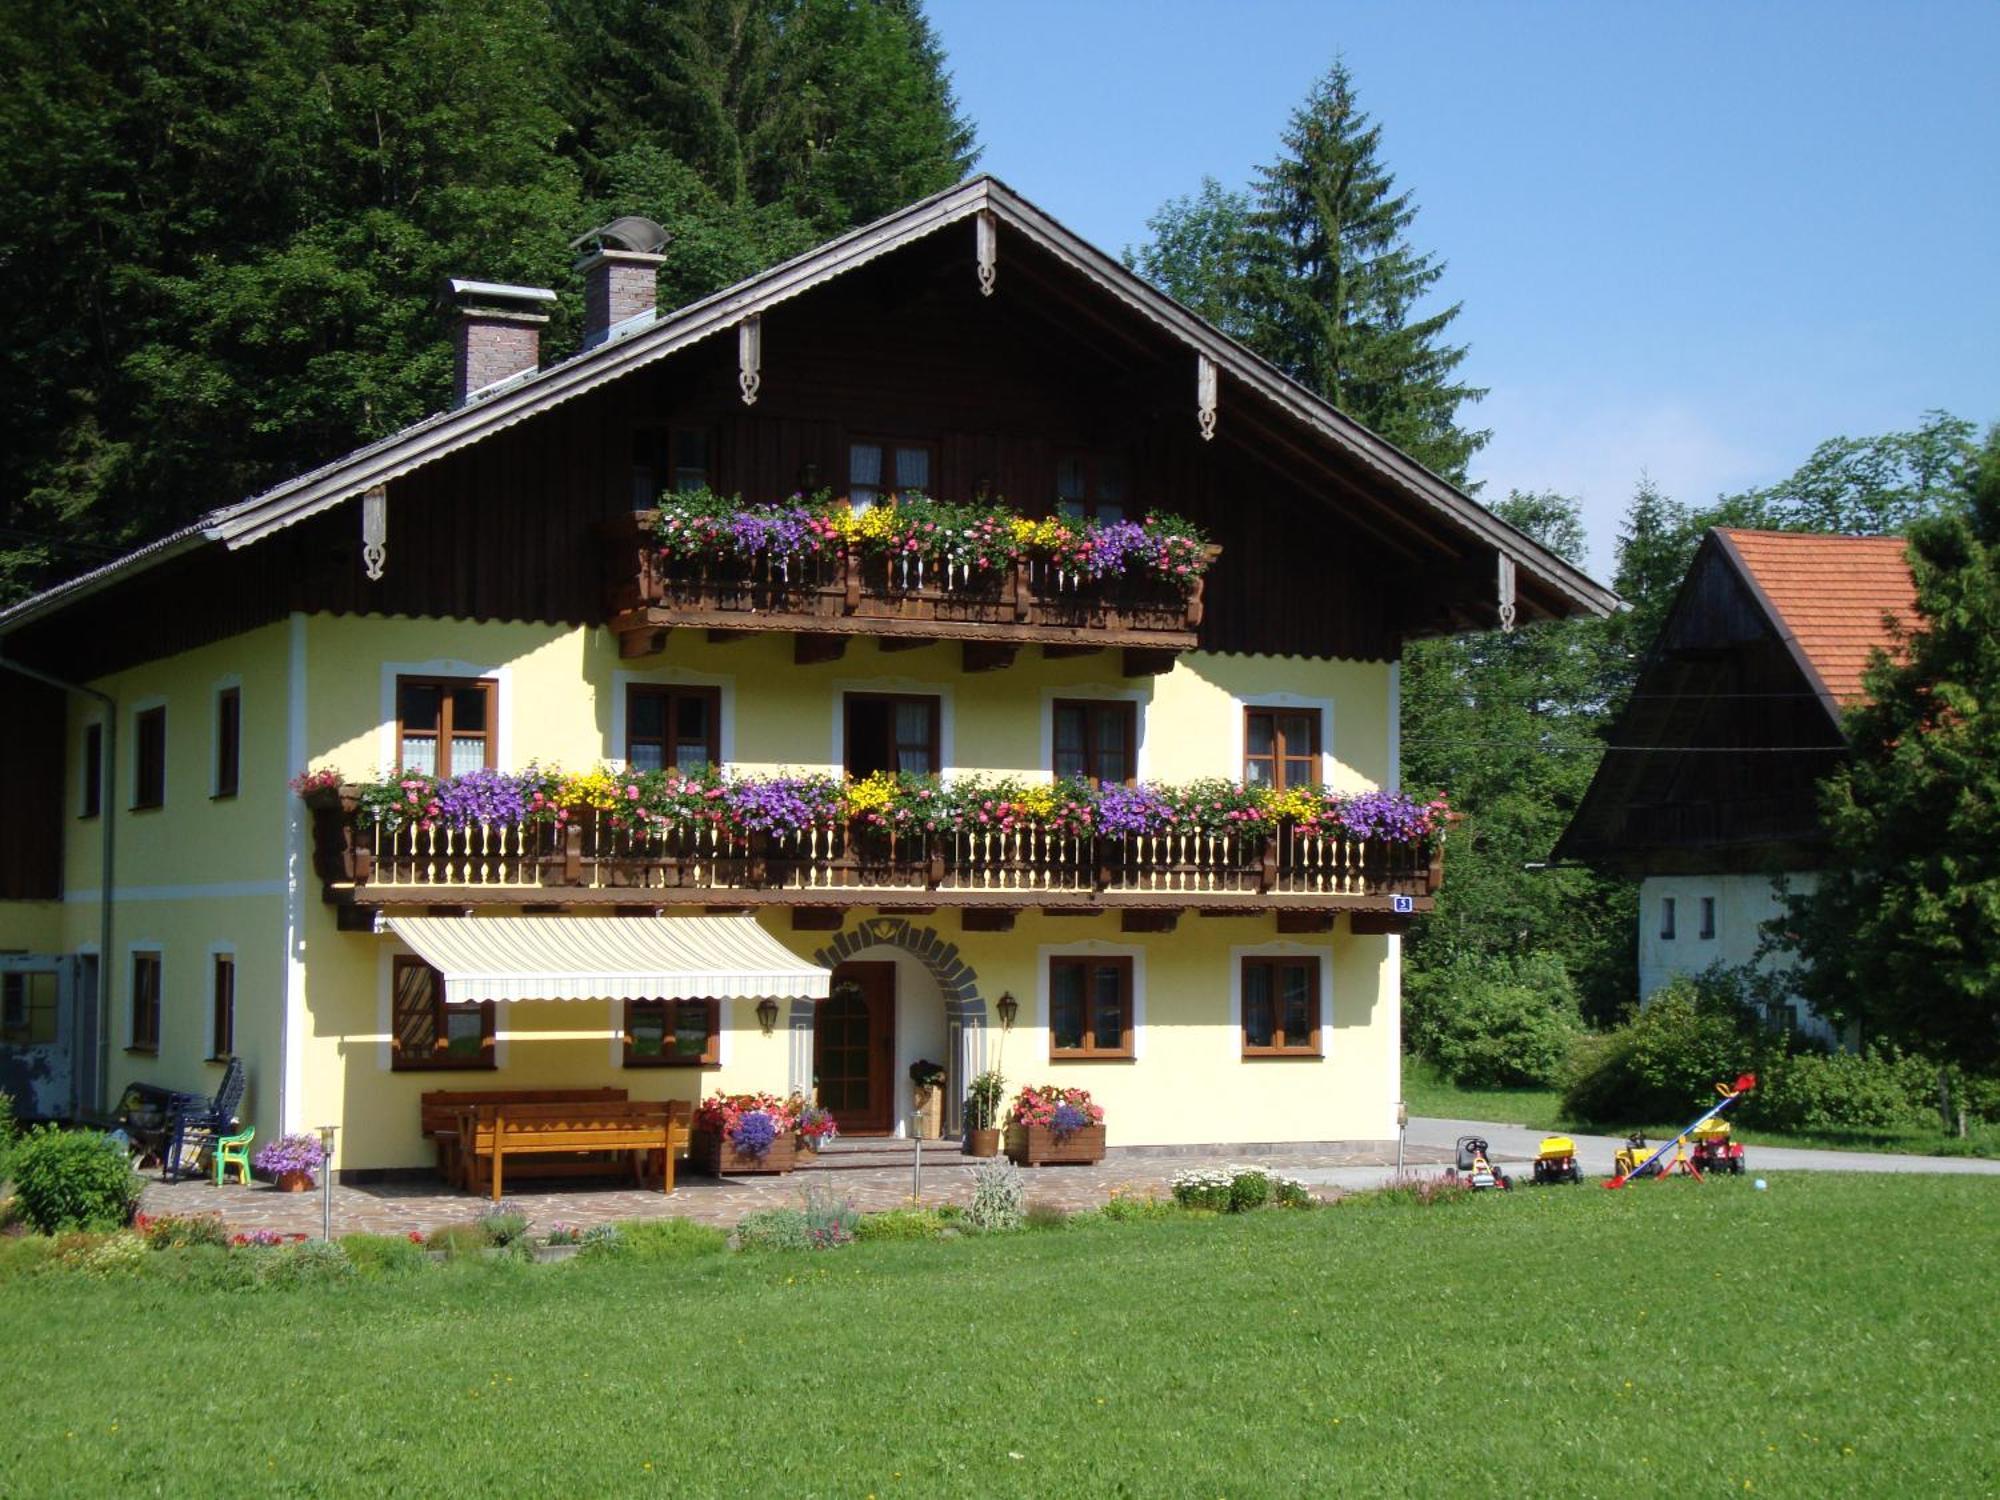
(1556, 1162)
(1475, 1167)
(1714, 1150)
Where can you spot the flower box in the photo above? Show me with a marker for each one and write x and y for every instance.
(711, 1152)
(1040, 1146)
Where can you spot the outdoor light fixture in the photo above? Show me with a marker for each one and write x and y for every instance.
(326, 1135)
(767, 1014)
(1009, 1008)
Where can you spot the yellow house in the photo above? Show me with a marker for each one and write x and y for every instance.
(1171, 661)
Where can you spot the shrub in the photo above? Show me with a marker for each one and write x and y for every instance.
(1666, 1060)
(7, 1131)
(774, 1229)
(312, 1263)
(459, 1241)
(178, 1231)
(999, 1197)
(1844, 1091)
(1289, 1192)
(1236, 1190)
(1247, 1190)
(503, 1224)
(1204, 1188)
(1496, 1022)
(1131, 1208)
(907, 1224)
(74, 1179)
(1046, 1216)
(603, 1242)
(668, 1239)
(381, 1255)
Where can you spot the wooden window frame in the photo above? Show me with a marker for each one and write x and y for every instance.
(149, 760)
(656, 466)
(1282, 1045)
(146, 1041)
(935, 748)
(887, 493)
(1280, 749)
(711, 1054)
(93, 771)
(671, 691)
(447, 686)
(1093, 499)
(1090, 707)
(439, 1061)
(228, 743)
(1669, 919)
(1707, 929)
(222, 1007)
(1090, 1051)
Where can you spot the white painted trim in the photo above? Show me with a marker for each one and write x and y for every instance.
(623, 682)
(1241, 730)
(1097, 692)
(216, 689)
(1280, 949)
(1090, 948)
(293, 1028)
(218, 890)
(1395, 783)
(129, 746)
(942, 691)
(503, 719)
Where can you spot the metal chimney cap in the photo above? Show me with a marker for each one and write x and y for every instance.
(627, 232)
(460, 289)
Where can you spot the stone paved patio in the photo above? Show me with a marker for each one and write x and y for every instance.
(402, 1206)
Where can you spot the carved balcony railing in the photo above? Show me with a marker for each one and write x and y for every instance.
(836, 863)
(843, 592)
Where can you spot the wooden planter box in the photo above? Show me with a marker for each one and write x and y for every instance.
(1039, 1146)
(709, 1152)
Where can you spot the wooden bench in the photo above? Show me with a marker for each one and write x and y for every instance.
(490, 1133)
(441, 1110)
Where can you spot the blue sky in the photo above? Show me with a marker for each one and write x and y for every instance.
(1690, 239)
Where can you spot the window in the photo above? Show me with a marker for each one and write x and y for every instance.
(671, 1034)
(149, 758)
(1281, 1007)
(28, 1008)
(1090, 1007)
(1667, 917)
(426, 1032)
(672, 726)
(228, 741)
(145, 1002)
(222, 1032)
(1281, 747)
(886, 732)
(93, 770)
(454, 712)
(1096, 741)
(667, 461)
(1781, 1016)
(1708, 916)
(877, 470)
(1091, 487)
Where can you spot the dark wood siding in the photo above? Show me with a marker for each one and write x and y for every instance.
(33, 799)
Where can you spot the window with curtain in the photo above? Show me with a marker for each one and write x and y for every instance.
(426, 1033)
(145, 1002)
(672, 1034)
(444, 725)
(1090, 1007)
(879, 470)
(1281, 747)
(1097, 741)
(1281, 1007)
(671, 725)
(1091, 487)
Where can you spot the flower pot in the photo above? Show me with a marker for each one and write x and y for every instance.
(711, 1152)
(1040, 1146)
(294, 1182)
(546, 1253)
(982, 1143)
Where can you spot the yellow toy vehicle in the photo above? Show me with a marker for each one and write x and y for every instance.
(1556, 1161)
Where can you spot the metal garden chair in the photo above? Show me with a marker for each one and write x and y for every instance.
(198, 1125)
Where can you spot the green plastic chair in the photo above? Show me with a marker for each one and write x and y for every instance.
(234, 1151)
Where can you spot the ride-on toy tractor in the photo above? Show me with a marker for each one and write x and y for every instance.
(1475, 1167)
(1625, 1162)
(1714, 1150)
(1633, 1161)
(1556, 1161)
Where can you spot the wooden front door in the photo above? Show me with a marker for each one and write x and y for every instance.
(854, 1048)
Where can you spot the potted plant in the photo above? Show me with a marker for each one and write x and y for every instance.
(816, 1129)
(927, 1098)
(741, 1134)
(982, 1113)
(292, 1162)
(1050, 1125)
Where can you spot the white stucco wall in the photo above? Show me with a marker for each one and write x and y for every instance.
(1743, 903)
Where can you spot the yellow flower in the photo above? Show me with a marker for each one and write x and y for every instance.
(872, 793)
(1037, 801)
(593, 788)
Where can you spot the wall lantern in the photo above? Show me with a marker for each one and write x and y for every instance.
(1009, 1008)
(767, 1014)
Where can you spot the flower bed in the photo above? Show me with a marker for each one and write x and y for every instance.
(1237, 1190)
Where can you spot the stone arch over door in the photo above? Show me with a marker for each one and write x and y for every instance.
(957, 981)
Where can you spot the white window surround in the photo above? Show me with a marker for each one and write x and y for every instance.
(385, 1011)
(1094, 692)
(503, 726)
(132, 951)
(1240, 732)
(1091, 948)
(216, 689)
(724, 1043)
(622, 684)
(947, 754)
(1320, 951)
(128, 750)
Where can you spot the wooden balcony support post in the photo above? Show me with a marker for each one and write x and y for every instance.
(989, 656)
(810, 650)
(1305, 921)
(906, 642)
(572, 855)
(984, 919)
(1267, 866)
(1149, 921)
(1148, 661)
(816, 919)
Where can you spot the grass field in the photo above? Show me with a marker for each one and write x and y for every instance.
(1428, 1094)
(1829, 1336)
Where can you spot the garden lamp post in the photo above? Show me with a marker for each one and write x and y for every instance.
(1402, 1130)
(326, 1134)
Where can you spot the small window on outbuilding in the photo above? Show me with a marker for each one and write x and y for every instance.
(1667, 918)
(1708, 916)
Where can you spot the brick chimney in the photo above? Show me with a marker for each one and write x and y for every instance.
(499, 333)
(618, 285)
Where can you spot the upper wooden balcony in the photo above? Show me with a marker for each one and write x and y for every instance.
(827, 598)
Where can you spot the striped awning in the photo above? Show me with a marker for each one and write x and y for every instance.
(609, 958)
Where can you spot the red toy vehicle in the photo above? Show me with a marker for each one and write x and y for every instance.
(1715, 1151)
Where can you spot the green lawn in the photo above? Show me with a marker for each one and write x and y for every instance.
(1828, 1336)
(1429, 1094)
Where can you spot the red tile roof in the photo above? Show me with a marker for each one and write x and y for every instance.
(1830, 594)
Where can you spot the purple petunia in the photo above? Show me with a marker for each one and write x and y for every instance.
(753, 1133)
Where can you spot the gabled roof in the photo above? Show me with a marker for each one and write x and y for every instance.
(249, 521)
(1828, 596)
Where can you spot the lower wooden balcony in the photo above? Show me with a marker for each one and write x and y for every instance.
(836, 865)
